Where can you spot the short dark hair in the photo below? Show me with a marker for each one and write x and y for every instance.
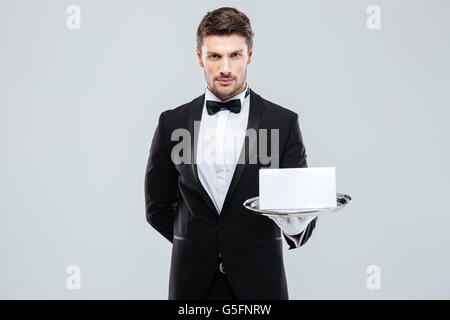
(225, 21)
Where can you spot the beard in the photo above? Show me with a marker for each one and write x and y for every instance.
(227, 92)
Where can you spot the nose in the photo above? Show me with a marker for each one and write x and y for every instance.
(225, 68)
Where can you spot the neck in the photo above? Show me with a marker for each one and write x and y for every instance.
(223, 98)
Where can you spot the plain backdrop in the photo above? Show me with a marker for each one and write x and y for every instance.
(79, 109)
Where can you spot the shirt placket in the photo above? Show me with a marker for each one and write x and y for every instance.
(219, 152)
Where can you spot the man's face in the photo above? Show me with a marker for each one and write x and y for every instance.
(224, 59)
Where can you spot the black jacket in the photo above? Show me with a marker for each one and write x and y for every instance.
(180, 209)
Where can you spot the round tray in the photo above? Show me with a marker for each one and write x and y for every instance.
(341, 201)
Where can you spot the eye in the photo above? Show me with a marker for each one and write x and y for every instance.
(236, 54)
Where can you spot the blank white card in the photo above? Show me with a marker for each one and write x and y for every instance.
(297, 188)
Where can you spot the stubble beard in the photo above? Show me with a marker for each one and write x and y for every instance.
(226, 94)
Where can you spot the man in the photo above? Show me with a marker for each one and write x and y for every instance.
(222, 250)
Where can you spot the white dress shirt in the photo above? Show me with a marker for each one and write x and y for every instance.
(220, 140)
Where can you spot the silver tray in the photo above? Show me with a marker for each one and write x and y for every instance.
(342, 200)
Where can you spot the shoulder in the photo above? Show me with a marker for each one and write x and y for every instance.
(178, 111)
(178, 114)
(275, 111)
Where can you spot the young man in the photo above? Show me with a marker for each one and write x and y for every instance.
(221, 250)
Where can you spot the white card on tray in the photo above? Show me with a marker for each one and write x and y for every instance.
(297, 188)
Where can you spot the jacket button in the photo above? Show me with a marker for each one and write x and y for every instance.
(221, 224)
(221, 268)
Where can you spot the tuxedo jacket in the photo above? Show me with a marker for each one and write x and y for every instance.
(180, 209)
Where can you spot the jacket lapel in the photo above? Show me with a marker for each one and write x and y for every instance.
(254, 119)
(195, 115)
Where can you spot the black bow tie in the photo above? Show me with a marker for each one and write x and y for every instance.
(215, 106)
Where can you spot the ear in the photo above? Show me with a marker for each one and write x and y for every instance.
(250, 55)
(199, 56)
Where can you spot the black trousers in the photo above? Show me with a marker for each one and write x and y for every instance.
(220, 288)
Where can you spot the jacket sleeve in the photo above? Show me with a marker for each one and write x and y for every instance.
(161, 185)
(294, 156)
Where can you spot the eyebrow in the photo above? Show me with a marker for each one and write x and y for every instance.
(237, 51)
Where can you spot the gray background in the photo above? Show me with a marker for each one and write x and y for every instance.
(79, 109)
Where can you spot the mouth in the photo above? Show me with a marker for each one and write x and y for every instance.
(224, 81)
